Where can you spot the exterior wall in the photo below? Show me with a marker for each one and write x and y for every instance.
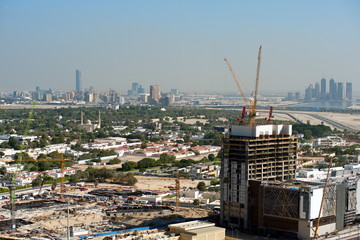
(315, 202)
(306, 232)
(247, 159)
(358, 197)
(210, 235)
(257, 131)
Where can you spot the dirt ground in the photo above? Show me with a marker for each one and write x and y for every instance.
(161, 184)
(134, 159)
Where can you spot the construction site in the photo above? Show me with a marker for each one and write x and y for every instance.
(98, 211)
(259, 153)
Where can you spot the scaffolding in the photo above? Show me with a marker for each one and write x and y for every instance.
(263, 158)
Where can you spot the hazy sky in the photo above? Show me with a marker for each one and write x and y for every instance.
(178, 43)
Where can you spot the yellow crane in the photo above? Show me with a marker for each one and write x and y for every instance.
(323, 196)
(253, 100)
(177, 188)
(237, 82)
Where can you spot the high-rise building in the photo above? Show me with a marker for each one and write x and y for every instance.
(135, 88)
(251, 155)
(333, 89)
(174, 91)
(349, 91)
(141, 90)
(78, 81)
(340, 91)
(154, 94)
(323, 88)
(309, 93)
(317, 91)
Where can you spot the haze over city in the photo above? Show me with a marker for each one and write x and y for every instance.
(177, 44)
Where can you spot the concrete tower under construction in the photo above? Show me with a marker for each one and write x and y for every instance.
(253, 155)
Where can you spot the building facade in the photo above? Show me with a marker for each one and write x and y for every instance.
(260, 153)
(154, 94)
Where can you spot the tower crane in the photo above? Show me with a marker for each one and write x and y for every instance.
(237, 82)
(177, 188)
(253, 100)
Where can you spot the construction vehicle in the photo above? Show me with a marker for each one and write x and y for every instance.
(252, 103)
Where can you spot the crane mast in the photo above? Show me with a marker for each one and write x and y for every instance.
(253, 102)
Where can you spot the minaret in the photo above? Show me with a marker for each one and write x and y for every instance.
(82, 118)
(99, 120)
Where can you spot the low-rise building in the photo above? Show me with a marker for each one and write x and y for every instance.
(195, 230)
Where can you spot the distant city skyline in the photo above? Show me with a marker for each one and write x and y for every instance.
(178, 44)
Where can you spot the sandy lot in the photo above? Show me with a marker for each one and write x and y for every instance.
(350, 121)
(161, 184)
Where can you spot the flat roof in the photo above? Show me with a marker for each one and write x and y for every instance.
(206, 229)
(192, 225)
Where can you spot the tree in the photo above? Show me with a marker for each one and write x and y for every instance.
(211, 157)
(128, 166)
(215, 181)
(166, 158)
(196, 202)
(13, 142)
(2, 154)
(201, 186)
(75, 178)
(143, 145)
(114, 161)
(96, 183)
(147, 163)
(128, 179)
(53, 185)
(3, 170)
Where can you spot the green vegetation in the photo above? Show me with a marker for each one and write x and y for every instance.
(215, 181)
(312, 131)
(101, 175)
(201, 186)
(114, 161)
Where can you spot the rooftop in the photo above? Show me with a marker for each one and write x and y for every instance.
(192, 225)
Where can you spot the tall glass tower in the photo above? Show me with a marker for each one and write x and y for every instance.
(78, 81)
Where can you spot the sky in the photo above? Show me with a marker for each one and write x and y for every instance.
(178, 44)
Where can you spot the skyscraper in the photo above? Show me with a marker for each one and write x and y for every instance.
(309, 93)
(323, 88)
(135, 88)
(349, 91)
(340, 91)
(333, 89)
(317, 91)
(78, 81)
(154, 94)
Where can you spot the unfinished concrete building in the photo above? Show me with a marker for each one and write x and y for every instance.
(263, 153)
